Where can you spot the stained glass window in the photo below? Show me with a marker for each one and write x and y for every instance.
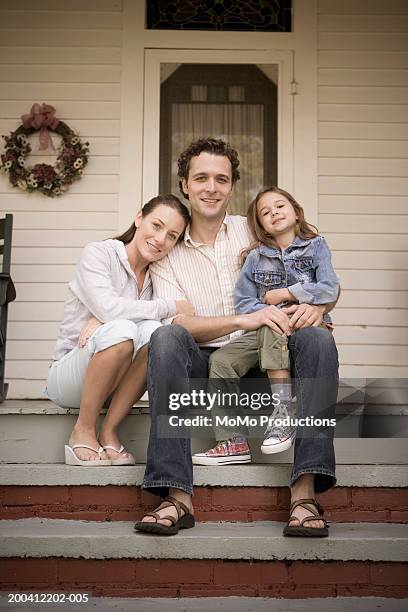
(226, 15)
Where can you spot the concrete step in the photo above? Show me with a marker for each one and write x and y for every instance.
(261, 541)
(232, 493)
(35, 431)
(209, 560)
(246, 475)
(226, 604)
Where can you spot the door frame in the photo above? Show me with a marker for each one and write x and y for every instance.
(137, 41)
(151, 129)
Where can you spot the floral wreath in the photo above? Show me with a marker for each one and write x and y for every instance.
(50, 180)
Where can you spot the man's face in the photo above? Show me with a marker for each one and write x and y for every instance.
(209, 185)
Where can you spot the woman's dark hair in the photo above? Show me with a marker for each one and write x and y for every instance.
(207, 145)
(169, 200)
(303, 229)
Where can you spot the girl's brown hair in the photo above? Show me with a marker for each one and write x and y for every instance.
(169, 200)
(303, 229)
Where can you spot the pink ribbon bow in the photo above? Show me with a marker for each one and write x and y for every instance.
(41, 118)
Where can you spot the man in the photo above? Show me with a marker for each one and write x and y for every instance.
(203, 270)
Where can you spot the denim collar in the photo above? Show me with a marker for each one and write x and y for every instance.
(273, 252)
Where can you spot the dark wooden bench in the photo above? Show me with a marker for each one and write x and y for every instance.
(7, 293)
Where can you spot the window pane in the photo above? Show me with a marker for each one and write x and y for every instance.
(229, 15)
(234, 102)
(241, 125)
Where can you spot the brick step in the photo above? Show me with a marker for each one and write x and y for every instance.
(212, 560)
(233, 493)
(213, 504)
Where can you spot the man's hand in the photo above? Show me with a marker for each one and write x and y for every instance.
(305, 315)
(271, 316)
(184, 308)
(88, 329)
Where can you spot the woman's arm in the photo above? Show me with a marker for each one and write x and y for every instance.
(88, 329)
(93, 286)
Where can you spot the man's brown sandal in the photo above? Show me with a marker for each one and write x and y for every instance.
(184, 521)
(311, 505)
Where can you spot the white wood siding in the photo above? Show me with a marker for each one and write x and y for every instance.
(67, 54)
(363, 184)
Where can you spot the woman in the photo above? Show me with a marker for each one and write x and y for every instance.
(110, 301)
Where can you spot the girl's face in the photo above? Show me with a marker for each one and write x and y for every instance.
(276, 214)
(157, 232)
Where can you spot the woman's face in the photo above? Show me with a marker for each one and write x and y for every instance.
(157, 232)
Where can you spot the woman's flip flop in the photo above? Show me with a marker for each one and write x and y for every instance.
(72, 459)
(123, 460)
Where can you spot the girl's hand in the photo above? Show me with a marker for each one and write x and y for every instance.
(270, 315)
(276, 296)
(184, 308)
(87, 331)
(305, 315)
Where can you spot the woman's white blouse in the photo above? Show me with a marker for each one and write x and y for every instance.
(105, 287)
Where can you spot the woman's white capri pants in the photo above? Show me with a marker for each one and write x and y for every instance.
(67, 375)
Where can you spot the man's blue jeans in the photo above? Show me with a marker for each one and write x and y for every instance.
(175, 357)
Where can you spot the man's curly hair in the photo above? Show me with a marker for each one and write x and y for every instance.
(207, 145)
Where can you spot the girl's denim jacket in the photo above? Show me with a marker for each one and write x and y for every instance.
(304, 268)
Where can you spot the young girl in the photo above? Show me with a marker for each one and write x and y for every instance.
(287, 263)
(108, 319)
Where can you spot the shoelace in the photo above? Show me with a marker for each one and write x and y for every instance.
(280, 412)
